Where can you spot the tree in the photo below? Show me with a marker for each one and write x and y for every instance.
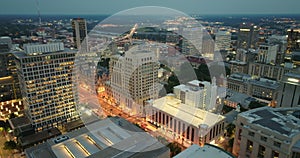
(186, 73)
(10, 145)
(230, 129)
(202, 73)
(12, 115)
(255, 104)
(172, 82)
(174, 148)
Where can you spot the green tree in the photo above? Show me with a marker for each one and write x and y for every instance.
(186, 73)
(255, 104)
(202, 73)
(174, 148)
(172, 82)
(10, 145)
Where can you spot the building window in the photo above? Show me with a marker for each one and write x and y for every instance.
(251, 133)
(263, 138)
(277, 144)
(275, 154)
(249, 146)
(261, 151)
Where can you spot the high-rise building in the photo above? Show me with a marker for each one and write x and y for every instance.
(198, 94)
(9, 81)
(289, 91)
(268, 132)
(223, 40)
(80, 34)
(293, 43)
(247, 36)
(267, 53)
(46, 84)
(134, 79)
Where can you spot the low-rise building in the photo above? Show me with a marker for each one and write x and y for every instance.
(268, 132)
(206, 151)
(185, 123)
(263, 89)
(111, 137)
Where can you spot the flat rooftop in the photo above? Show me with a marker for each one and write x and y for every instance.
(186, 113)
(207, 151)
(284, 121)
(111, 137)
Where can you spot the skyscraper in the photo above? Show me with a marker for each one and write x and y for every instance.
(247, 36)
(8, 78)
(223, 40)
(134, 78)
(289, 91)
(45, 74)
(267, 53)
(80, 34)
(293, 43)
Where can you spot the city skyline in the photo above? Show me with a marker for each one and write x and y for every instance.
(190, 7)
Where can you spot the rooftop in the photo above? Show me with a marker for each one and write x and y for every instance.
(188, 114)
(111, 137)
(207, 151)
(284, 121)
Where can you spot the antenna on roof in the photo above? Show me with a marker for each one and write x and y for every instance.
(38, 11)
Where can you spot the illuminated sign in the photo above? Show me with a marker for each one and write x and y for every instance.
(293, 80)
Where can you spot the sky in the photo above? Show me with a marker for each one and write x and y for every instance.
(204, 7)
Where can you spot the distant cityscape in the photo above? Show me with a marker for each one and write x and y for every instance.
(182, 86)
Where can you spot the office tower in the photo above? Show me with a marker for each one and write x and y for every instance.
(134, 79)
(9, 81)
(45, 73)
(289, 91)
(293, 43)
(192, 40)
(267, 132)
(208, 47)
(80, 34)
(247, 36)
(267, 53)
(223, 40)
(5, 44)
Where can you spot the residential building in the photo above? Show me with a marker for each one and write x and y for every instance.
(47, 86)
(268, 132)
